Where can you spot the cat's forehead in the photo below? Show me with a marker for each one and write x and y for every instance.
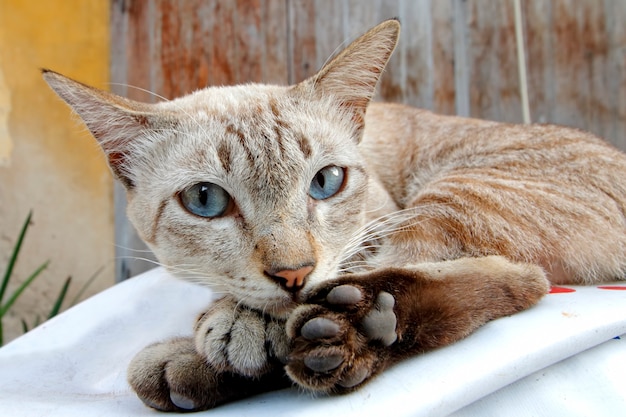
(261, 114)
(254, 134)
(234, 101)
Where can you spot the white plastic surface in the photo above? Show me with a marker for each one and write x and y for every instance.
(558, 358)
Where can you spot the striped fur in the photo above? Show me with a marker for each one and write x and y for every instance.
(431, 206)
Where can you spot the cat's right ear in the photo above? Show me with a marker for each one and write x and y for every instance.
(113, 120)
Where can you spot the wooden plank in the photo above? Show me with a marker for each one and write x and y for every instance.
(599, 116)
(302, 40)
(119, 47)
(275, 48)
(393, 81)
(250, 41)
(540, 59)
(443, 65)
(416, 49)
(223, 63)
(329, 30)
(130, 66)
(138, 52)
(508, 78)
(616, 71)
(490, 26)
(570, 66)
(461, 59)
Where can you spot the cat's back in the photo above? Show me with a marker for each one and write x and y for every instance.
(534, 193)
(409, 148)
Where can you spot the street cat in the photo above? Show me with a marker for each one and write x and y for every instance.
(345, 235)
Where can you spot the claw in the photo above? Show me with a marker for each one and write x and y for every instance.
(181, 401)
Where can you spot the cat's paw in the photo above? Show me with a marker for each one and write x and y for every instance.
(172, 376)
(342, 340)
(241, 340)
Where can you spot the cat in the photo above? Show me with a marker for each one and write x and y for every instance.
(345, 235)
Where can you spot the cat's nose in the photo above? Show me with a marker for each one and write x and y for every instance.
(291, 279)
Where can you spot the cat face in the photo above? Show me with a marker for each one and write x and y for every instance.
(244, 182)
(255, 190)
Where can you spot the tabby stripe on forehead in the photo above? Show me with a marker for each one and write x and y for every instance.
(241, 137)
(279, 126)
(305, 146)
(223, 153)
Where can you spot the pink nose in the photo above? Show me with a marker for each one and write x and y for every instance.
(292, 279)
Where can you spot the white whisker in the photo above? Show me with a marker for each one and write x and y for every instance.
(368, 239)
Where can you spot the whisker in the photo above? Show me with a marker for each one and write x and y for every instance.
(134, 87)
(165, 99)
(368, 237)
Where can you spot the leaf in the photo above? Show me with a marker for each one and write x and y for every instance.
(14, 255)
(5, 307)
(59, 301)
(85, 286)
(24, 326)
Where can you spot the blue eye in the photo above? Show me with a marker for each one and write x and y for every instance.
(205, 199)
(327, 182)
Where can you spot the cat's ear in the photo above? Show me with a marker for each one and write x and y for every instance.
(351, 76)
(113, 120)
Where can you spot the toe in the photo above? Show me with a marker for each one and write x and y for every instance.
(380, 322)
(181, 401)
(354, 378)
(319, 328)
(344, 295)
(323, 363)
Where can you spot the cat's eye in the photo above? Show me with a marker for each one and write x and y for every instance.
(327, 182)
(205, 199)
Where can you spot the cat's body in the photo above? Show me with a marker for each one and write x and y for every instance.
(346, 241)
(533, 193)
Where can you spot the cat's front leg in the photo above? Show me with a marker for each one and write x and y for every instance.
(354, 327)
(235, 338)
(235, 352)
(173, 376)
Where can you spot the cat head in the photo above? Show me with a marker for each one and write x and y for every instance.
(255, 190)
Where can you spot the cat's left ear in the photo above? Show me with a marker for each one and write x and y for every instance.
(113, 120)
(351, 76)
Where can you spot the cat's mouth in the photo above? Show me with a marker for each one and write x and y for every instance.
(279, 309)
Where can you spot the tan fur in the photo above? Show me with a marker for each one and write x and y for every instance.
(442, 223)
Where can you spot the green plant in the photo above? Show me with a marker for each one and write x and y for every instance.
(5, 306)
(56, 308)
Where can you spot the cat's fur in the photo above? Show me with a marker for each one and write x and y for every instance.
(441, 224)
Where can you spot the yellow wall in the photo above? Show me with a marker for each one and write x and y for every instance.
(48, 162)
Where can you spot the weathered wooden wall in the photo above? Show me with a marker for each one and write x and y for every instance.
(455, 56)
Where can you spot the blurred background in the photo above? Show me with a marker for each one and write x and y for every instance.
(455, 57)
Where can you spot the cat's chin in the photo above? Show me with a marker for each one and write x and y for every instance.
(279, 311)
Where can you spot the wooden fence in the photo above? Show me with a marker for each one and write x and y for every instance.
(455, 57)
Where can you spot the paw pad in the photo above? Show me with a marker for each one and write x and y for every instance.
(344, 295)
(380, 322)
(353, 379)
(181, 401)
(319, 328)
(323, 363)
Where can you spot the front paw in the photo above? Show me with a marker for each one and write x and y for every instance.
(237, 339)
(172, 376)
(342, 340)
